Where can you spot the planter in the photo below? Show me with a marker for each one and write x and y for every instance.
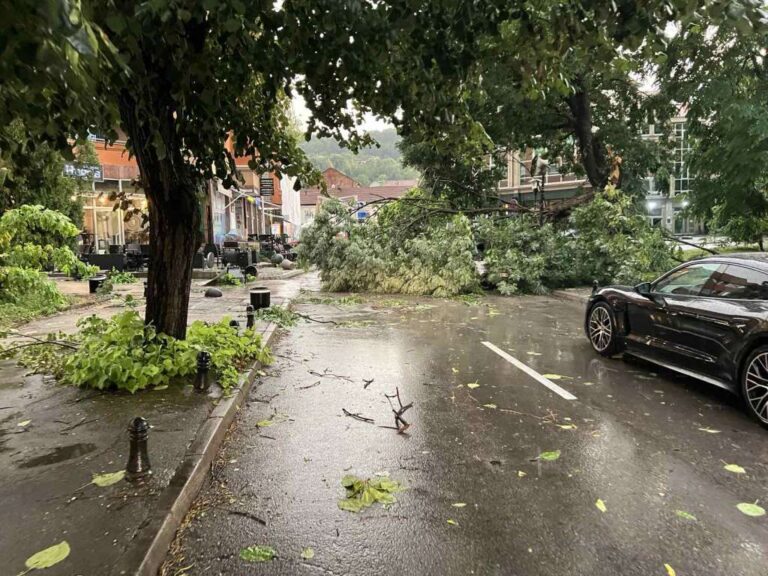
(260, 298)
(94, 282)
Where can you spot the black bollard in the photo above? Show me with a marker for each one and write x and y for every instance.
(235, 325)
(202, 380)
(250, 318)
(138, 467)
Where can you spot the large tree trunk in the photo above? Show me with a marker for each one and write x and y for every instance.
(174, 191)
(594, 155)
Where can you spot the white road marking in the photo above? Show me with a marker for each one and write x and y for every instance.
(562, 392)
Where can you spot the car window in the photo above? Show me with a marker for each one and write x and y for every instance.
(688, 281)
(738, 282)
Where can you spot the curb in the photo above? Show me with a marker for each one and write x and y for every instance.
(565, 295)
(148, 550)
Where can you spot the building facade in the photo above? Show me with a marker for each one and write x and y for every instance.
(665, 201)
(254, 208)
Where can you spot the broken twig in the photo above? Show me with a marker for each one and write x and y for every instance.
(400, 422)
(357, 416)
(367, 383)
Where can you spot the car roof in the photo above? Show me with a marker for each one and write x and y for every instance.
(758, 259)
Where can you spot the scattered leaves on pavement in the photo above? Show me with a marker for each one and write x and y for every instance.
(531, 353)
(452, 522)
(491, 406)
(473, 385)
(47, 558)
(751, 509)
(685, 515)
(670, 570)
(520, 474)
(459, 504)
(709, 430)
(555, 377)
(735, 468)
(258, 553)
(454, 370)
(601, 505)
(308, 553)
(363, 493)
(549, 456)
(104, 480)
(567, 426)
(24, 423)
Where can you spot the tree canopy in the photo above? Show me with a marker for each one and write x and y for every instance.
(722, 77)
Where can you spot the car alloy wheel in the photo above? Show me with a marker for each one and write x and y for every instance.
(756, 385)
(601, 329)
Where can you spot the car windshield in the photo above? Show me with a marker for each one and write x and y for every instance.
(687, 281)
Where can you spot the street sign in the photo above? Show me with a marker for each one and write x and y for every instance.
(266, 185)
(90, 171)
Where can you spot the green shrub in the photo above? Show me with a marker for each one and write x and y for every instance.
(125, 354)
(117, 277)
(228, 279)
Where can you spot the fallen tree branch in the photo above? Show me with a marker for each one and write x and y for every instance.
(668, 236)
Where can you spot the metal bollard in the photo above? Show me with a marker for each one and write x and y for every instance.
(138, 467)
(202, 379)
(250, 317)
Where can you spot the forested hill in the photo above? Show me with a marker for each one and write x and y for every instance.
(369, 165)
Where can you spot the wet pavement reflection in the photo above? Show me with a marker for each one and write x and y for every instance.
(639, 482)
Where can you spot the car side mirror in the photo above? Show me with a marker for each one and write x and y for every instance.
(644, 289)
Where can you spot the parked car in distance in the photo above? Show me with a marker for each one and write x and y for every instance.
(707, 318)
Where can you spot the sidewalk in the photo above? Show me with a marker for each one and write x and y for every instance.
(54, 439)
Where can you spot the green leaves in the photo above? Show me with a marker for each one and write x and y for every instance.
(549, 456)
(307, 553)
(685, 515)
(258, 554)
(122, 353)
(104, 480)
(735, 468)
(48, 557)
(364, 493)
(601, 505)
(433, 258)
(751, 509)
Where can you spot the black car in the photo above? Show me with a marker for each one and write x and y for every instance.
(707, 318)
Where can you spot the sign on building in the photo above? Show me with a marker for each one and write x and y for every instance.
(89, 171)
(266, 185)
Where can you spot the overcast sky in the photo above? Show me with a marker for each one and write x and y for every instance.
(302, 114)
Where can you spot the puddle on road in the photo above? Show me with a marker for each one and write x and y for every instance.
(59, 454)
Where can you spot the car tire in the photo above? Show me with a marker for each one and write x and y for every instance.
(754, 385)
(602, 330)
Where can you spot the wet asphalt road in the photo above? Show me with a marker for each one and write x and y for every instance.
(647, 443)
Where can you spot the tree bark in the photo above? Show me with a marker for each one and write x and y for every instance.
(594, 155)
(174, 191)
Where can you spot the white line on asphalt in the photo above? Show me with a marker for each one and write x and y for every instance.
(562, 392)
